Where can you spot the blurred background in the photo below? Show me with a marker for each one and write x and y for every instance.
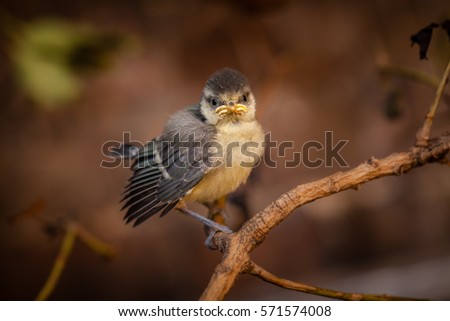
(74, 75)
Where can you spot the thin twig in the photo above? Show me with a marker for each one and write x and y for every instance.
(423, 135)
(410, 73)
(33, 211)
(96, 245)
(264, 275)
(59, 265)
(72, 231)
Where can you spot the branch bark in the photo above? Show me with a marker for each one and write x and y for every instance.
(238, 246)
(266, 276)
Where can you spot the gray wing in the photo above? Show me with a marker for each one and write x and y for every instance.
(167, 168)
(125, 151)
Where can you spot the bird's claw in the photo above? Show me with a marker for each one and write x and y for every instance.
(209, 242)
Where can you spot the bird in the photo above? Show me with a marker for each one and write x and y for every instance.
(206, 151)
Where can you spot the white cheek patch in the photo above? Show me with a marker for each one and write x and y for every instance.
(210, 115)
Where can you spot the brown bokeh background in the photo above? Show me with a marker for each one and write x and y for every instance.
(314, 66)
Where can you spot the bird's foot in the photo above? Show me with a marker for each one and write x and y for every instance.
(209, 242)
(212, 226)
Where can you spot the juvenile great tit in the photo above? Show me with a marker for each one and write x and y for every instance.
(205, 152)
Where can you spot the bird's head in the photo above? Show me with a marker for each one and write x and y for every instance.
(227, 97)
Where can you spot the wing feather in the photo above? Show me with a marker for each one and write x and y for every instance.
(164, 170)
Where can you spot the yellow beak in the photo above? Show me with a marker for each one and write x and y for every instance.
(233, 109)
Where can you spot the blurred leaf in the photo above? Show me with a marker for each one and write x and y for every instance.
(423, 38)
(49, 55)
(94, 52)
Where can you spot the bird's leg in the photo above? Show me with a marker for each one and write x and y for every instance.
(216, 210)
(211, 225)
(206, 221)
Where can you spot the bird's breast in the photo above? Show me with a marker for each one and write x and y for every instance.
(240, 144)
(235, 150)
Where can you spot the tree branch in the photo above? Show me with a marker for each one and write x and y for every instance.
(238, 246)
(266, 276)
(423, 134)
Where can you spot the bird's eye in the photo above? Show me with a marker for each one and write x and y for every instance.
(244, 97)
(214, 102)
